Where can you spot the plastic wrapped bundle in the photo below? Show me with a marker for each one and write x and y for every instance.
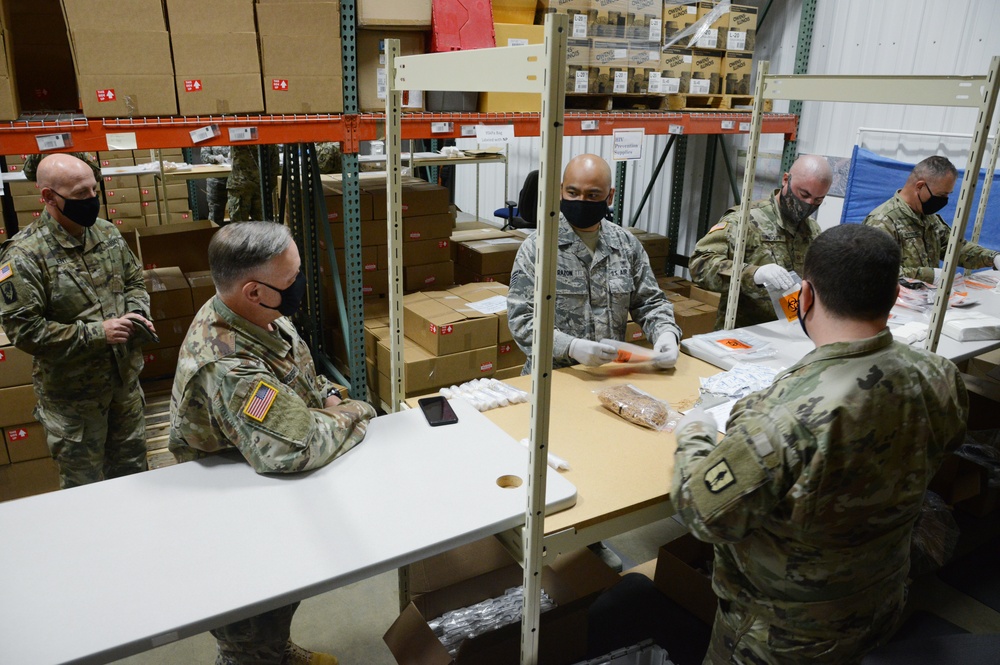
(454, 627)
(639, 407)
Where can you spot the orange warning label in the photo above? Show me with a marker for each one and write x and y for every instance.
(733, 343)
(790, 305)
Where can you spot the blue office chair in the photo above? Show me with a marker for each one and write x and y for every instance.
(521, 214)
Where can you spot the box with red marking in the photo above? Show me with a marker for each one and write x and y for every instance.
(26, 442)
(441, 328)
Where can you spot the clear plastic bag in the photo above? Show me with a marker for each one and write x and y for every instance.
(786, 301)
(639, 407)
(630, 353)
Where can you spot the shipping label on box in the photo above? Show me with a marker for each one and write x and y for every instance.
(706, 69)
(674, 75)
(737, 67)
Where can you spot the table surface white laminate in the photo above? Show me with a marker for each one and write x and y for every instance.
(791, 343)
(98, 572)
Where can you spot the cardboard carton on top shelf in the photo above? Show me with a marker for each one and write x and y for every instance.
(736, 69)
(413, 14)
(646, 20)
(216, 76)
(372, 84)
(677, 17)
(104, 15)
(710, 38)
(609, 19)
(741, 31)
(706, 71)
(190, 17)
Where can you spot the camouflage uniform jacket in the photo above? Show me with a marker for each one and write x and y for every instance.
(923, 239)
(594, 294)
(240, 386)
(245, 175)
(812, 494)
(770, 239)
(215, 154)
(57, 291)
(329, 157)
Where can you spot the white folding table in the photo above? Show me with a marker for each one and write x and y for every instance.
(102, 571)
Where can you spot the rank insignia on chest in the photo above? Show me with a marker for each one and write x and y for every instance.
(6, 271)
(260, 401)
(719, 477)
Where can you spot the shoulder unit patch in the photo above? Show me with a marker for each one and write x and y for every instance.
(719, 477)
(260, 401)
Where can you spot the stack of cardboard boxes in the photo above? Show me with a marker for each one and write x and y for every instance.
(26, 467)
(485, 255)
(695, 309)
(379, 20)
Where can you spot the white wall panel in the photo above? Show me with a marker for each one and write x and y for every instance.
(894, 37)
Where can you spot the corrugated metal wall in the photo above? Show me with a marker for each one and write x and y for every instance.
(886, 37)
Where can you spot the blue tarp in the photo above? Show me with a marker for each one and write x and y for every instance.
(874, 179)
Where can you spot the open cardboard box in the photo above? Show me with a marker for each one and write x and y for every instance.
(679, 575)
(467, 576)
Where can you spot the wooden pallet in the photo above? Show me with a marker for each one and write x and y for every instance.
(683, 102)
(158, 430)
(605, 102)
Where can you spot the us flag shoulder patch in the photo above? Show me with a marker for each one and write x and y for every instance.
(260, 401)
(5, 271)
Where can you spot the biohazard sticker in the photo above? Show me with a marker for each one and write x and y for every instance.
(719, 477)
(260, 401)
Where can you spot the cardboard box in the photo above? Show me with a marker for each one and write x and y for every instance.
(710, 38)
(487, 257)
(428, 276)
(706, 73)
(509, 355)
(694, 317)
(509, 373)
(421, 252)
(705, 296)
(202, 287)
(646, 20)
(4, 459)
(17, 405)
(573, 580)
(425, 371)
(28, 478)
(443, 327)
(375, 283)
(39, 73)
(26, 442)
(420, 198)
(610, 19)
(371, 67)
(609, 66)
(476, 293)
(374, 233)
(121, 209)
(678, 16)
(582, 15)
(126, 224)
(633, 332)
(184, 245)
(579, 78)
(169, 293)
(335, 206)
(413, 14)
(643, 58)
(678, 285)
(371, 259)
(737, 68)
(170, 331)
(741, 31)
(192, 17)
(684, 574)
(465, 276)
(159, 363)
(15, 364)
(514, 11)
(511, 34)
(426, 227)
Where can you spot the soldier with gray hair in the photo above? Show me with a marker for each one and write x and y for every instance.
(811, 496)
(779, 231)
(911, 218)
(246, 381)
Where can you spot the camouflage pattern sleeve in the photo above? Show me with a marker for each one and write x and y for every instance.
(712, 263)
(724, 491)
(22, 314)
(136, 298)
(245, 174)
(909, 267)
(972, 256)
(649, 305)
(521, 303)
(276, 431)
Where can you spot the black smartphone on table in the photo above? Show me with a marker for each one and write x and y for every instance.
(437, 410)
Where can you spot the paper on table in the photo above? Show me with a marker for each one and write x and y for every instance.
(721, 414)
(504, 241)
(490, 305)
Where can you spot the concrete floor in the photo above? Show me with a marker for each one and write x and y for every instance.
(350, 622)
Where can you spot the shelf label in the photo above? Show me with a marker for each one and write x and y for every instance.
(106, 95)
(192, 86)
(279, 84)
(744, 126)
(121, 141)
(514, 41)
(442, 127)
(468, 130)
(627, 145)
(675, 129)
(589, 125)
(494, 134)
(205, 133)
(728, 124)
(579, 26)
(53, 141)
(242, 133)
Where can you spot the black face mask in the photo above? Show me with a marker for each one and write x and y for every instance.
(794, 208)
(934, 203)
(583, 214)
(291, 297)
(80, 211)
(801, 317)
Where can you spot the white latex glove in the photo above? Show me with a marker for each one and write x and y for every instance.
(666, 351)
(774, 275)
(696, 415)
(938, 272)
(591, 353)
(996, 262)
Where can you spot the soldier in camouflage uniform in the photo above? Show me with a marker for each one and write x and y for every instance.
(779, 231)
(215, 188)
(31, 164)
(602, 275)
(246, 380)
(811, 495)
(329, 157)
(911, 218)
(73, 296)
(245, 201)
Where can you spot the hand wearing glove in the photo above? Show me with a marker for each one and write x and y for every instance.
(774, 276)
(666, 351)
(996, 262)
(591, 353)
(697, 415)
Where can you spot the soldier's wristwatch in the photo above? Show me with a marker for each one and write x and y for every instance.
(335, 392)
